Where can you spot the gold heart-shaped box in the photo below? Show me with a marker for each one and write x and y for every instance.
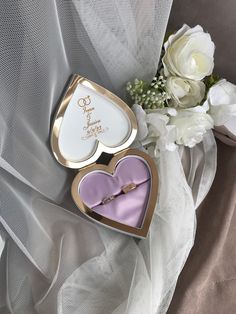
(92, 132)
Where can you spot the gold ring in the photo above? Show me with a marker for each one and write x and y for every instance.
(129, 187)
(108, 199)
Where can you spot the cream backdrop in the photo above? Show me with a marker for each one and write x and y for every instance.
(51, 259)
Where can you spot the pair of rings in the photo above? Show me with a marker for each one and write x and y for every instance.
(125, 189)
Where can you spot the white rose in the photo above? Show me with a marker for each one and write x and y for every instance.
(221, 99)
(141, 121)
(160, 130)
(185, 93)
(153, 128)
(189, 53)
(191, 125)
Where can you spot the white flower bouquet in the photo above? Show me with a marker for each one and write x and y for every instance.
(184, 100)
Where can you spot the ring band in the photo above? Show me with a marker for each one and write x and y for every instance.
(125, 189)
(108, 199)
(129, 187)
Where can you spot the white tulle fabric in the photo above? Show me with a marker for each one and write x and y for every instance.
(51, 259)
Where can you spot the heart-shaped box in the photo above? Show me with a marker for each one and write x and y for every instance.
(116, 186)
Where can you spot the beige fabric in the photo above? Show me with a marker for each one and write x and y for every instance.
(207, 284)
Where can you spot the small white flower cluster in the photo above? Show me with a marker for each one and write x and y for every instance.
(149, 96)
(178, 107)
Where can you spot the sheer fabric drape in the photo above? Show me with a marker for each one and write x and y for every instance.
(51, 259)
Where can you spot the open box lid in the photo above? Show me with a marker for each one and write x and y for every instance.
(90, 120)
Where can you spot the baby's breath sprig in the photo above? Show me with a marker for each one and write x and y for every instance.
(149, 95)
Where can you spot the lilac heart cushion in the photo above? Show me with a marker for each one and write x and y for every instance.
(126, 208)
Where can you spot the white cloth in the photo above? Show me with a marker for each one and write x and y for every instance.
(54, 260)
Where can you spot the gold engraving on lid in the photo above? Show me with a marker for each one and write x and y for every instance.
(100, 148)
